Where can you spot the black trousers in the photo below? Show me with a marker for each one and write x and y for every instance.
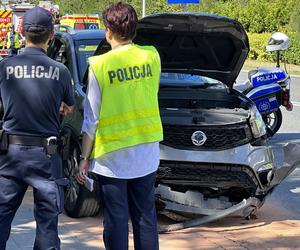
(121, 198)
(25, 166)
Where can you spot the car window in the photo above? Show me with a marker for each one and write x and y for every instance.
(188, 80)
(54, 48)
(83, 26)
(79, 26)
(57, 51)
(62, 55)
(84, 49)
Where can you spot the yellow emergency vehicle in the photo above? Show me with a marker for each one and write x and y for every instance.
(5, 24)
(80, 22)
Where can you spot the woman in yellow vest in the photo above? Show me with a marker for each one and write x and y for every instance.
(122, 130)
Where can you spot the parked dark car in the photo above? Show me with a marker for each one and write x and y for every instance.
(214, 154)
(73, 49)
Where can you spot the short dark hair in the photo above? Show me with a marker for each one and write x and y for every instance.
(121, 19)
(38, 37)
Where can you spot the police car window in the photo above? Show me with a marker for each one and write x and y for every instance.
(85, 49)
(169, 79)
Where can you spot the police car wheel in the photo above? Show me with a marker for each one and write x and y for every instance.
(79, 202)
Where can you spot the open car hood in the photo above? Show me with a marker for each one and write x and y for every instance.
(193, 43)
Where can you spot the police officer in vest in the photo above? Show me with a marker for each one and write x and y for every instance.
(13, 42)
(122, 130)
(34, 90)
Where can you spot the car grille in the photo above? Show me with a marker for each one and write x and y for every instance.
(206, 174)
(218, 137)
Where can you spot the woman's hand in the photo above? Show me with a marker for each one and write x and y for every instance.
(83, 171)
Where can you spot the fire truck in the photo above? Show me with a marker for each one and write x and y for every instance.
(11, 14)
(5, 24)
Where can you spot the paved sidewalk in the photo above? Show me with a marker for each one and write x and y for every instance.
(275, 229)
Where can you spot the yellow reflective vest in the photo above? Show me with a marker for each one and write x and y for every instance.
(129, 114)
(13, 40)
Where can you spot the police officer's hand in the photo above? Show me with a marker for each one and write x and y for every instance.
(83, 171)
(65, 109)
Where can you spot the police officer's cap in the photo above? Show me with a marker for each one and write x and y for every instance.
(37, 20)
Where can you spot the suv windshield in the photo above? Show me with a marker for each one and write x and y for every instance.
(84, 49)
(188, 80)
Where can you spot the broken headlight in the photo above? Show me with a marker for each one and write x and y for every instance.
(265, 173)
(257, 124)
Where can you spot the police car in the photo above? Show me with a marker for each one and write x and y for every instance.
(214, 146)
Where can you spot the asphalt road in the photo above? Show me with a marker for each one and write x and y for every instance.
(288, 193)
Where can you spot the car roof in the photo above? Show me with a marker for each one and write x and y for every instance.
(82, 34)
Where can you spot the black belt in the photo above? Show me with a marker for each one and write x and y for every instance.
(32, 140)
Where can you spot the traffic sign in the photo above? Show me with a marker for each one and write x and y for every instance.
(182, 1)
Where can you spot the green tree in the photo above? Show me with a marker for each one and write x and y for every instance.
(255, 15)
(294, 22)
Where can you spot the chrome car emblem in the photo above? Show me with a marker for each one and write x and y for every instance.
(198, 138)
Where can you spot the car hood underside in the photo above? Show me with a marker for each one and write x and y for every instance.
(193, 43)
(208, 45)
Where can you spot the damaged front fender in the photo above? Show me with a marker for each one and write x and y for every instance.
(286, 159)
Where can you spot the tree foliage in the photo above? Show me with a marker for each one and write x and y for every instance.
(259, 17)
(259, 53)
(256, 15)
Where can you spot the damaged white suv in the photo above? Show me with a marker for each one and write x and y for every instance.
(214, 156)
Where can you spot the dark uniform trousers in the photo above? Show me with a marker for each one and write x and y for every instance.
(121, 198)
(25, 166)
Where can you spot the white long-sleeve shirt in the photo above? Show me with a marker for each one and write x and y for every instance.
(126, 163)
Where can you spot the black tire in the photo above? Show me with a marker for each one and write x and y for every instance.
(79, 201)
(273, 122)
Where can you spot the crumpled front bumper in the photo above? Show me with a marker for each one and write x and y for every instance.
(279, 159)
(241, 167)
(247, 155)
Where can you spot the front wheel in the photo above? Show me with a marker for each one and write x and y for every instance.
(79, 201)
(273, 122)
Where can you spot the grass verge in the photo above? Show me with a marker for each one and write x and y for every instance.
(291, 68)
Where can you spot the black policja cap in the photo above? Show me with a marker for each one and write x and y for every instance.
(37, 20)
